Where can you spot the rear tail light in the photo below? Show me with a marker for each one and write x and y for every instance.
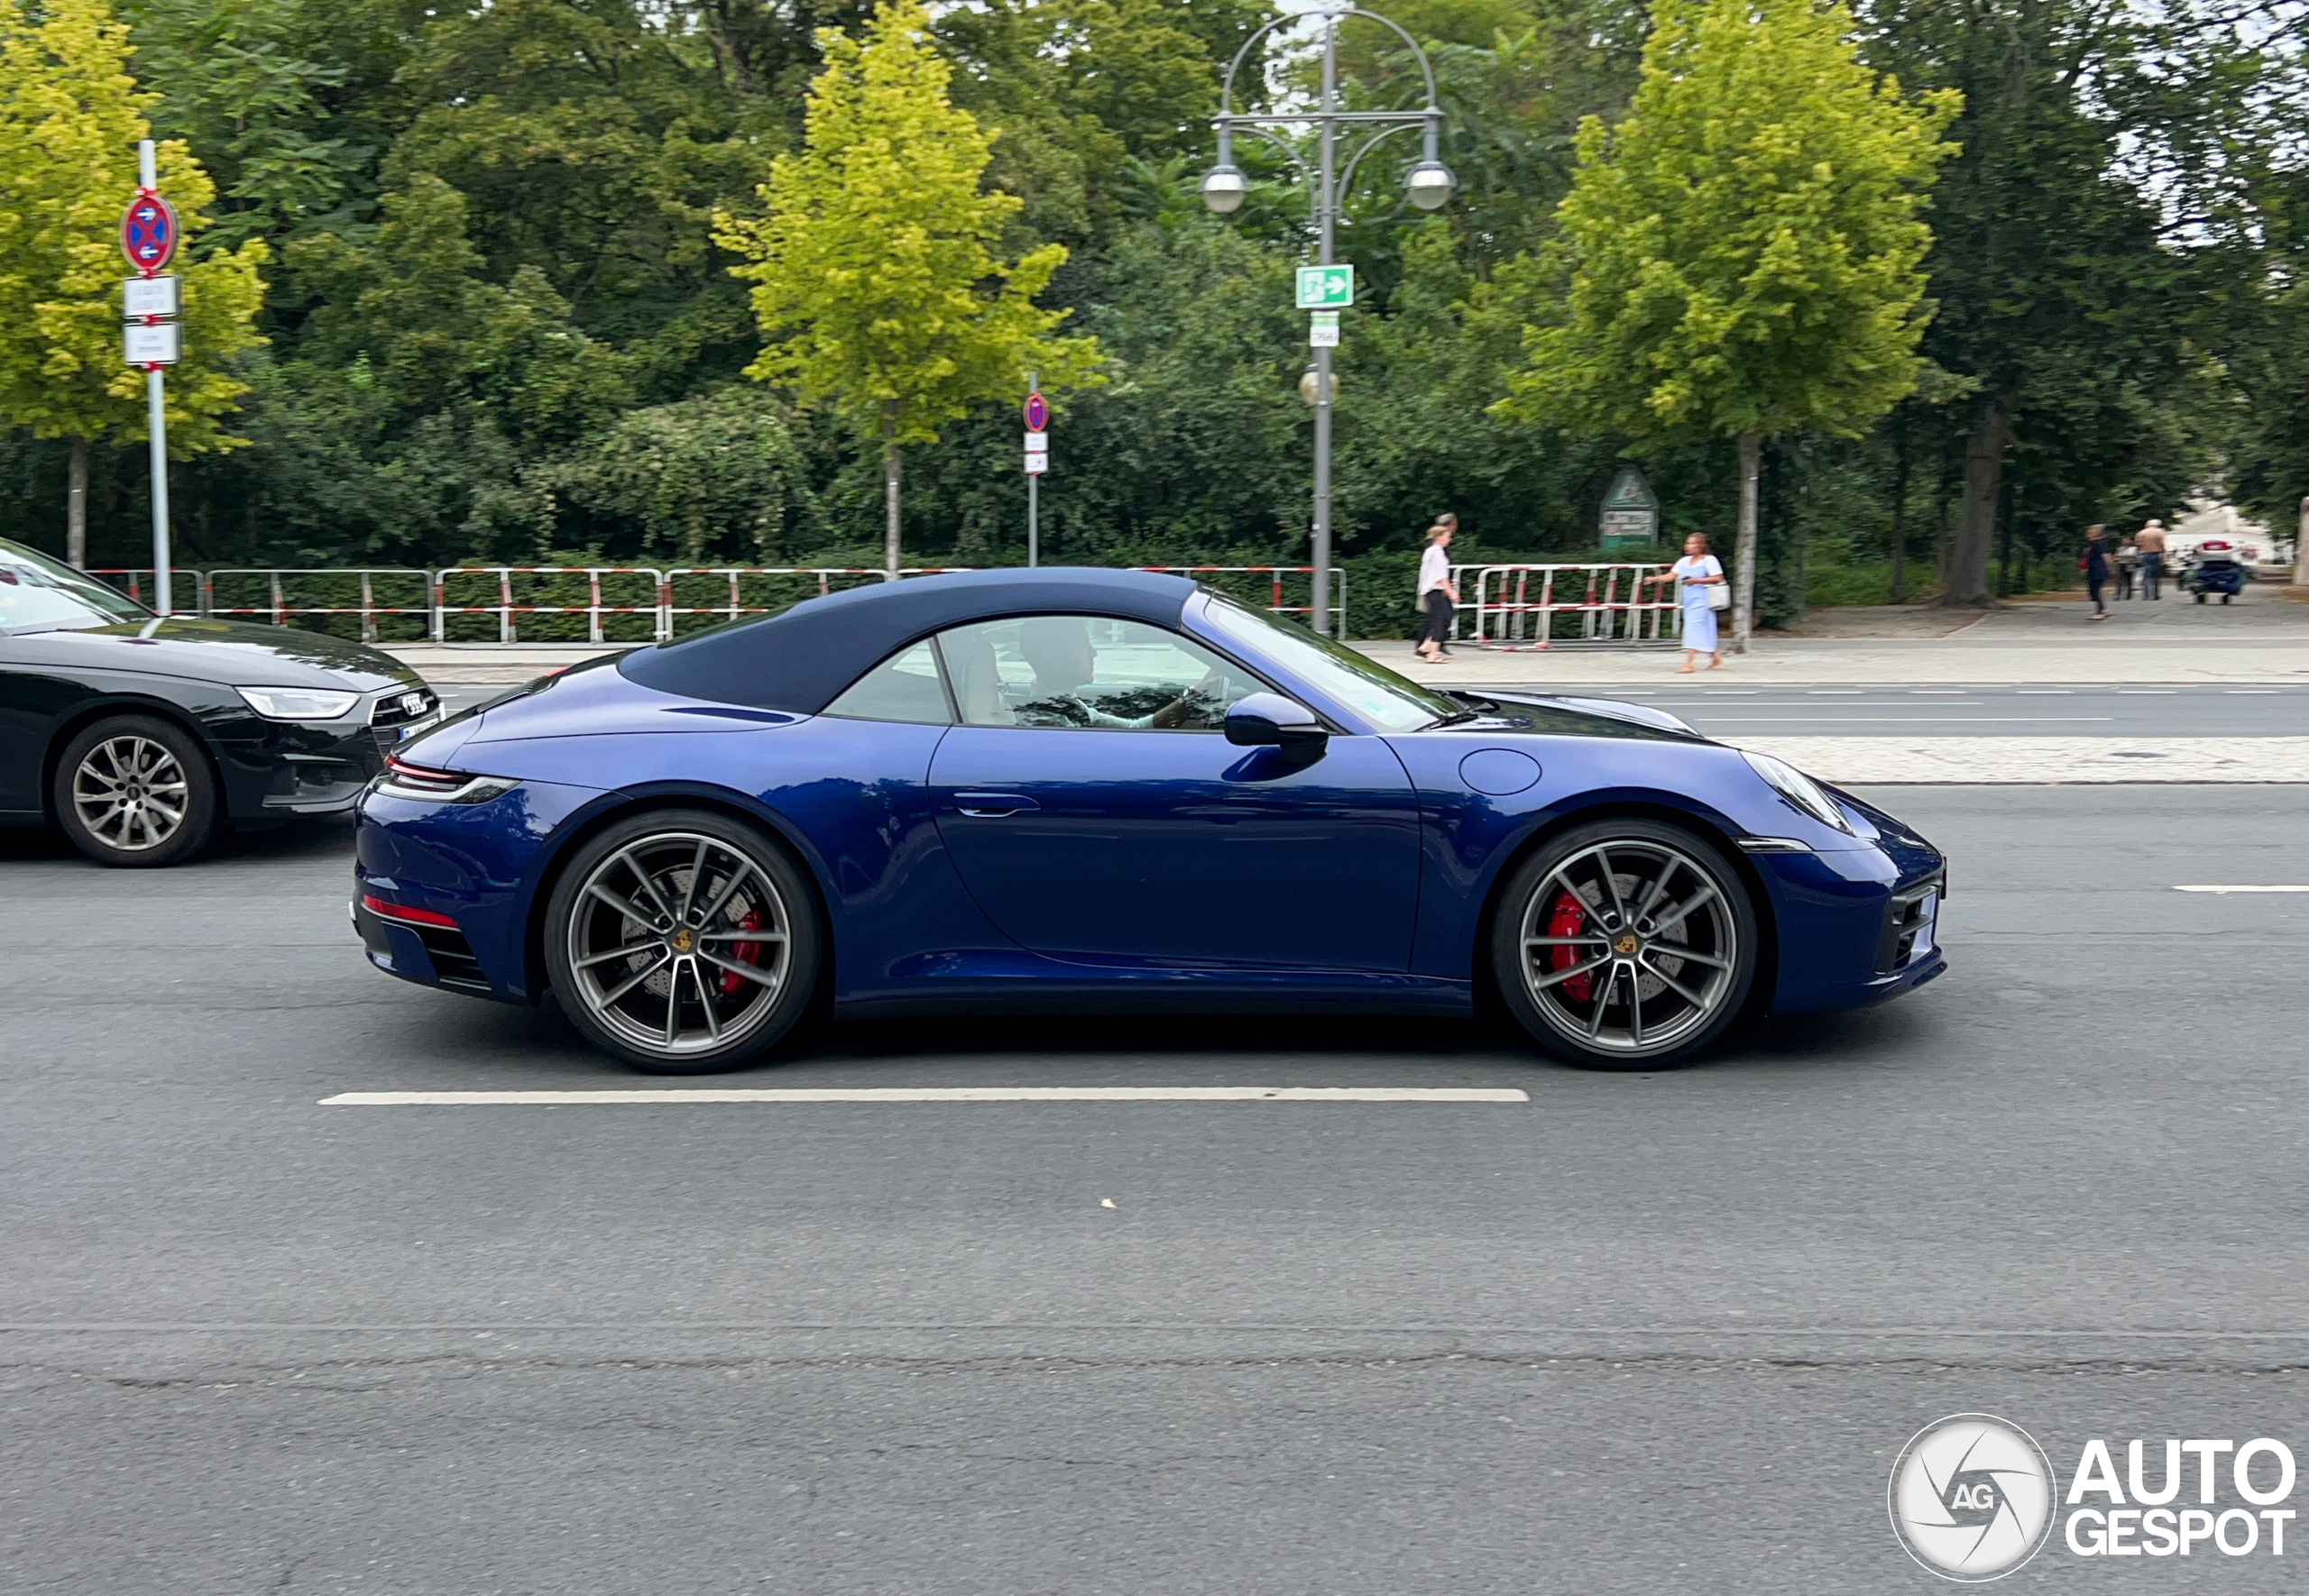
(403, 780)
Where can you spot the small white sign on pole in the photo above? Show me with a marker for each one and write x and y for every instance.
(1322, 330)
(152, 343)
(150, 296)
(1037, 465)
(1038, 443)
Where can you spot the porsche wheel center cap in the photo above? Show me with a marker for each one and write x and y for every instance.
(1626, 945)
(681, 940)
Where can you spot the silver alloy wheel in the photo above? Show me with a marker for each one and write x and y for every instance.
(130, 794)
(679, 944)
(1629, 947)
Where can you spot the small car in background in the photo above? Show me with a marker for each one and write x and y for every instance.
(2213, 567)
(140, 736)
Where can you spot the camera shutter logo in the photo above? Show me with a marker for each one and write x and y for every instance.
(1972, 1496)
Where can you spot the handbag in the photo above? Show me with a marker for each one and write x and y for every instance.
(1719, 595)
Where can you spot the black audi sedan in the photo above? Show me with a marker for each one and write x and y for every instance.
(140, 736)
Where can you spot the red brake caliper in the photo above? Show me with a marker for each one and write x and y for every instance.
(1565, 920)
(745, 953)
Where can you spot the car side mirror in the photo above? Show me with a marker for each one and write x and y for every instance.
(1269, 719)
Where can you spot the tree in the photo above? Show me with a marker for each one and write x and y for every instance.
(71, 118)
(1742, 249)
(874, 269)
(2102, 157)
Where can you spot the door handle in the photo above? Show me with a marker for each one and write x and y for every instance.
(992, 805)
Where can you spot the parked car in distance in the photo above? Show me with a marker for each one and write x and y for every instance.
(1119, 792)
(140, 736)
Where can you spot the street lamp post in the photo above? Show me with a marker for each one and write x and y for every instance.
(1428, 185)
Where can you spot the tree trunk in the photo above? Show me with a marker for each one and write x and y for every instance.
(1743, 554)
(890, 490)
(1967, 585)
(76, 506)
(1899, 590)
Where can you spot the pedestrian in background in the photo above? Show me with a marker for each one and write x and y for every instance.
(1439, 595)
(2150, 541)
(2094, 562)
(1697, 576)
(2128, 562)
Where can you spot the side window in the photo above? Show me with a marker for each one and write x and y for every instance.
(1089, 673)
(904, 687)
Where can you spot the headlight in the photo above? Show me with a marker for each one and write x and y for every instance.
(1798, 789)
(298, 704)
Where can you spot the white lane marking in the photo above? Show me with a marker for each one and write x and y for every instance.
(2227, 889)
(2250, 692)
(1907, 720)
(1857, 704)
(940, 1094)
(2044, 692)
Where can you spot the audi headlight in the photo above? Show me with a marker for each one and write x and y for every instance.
(1799, 789)
(298, 704)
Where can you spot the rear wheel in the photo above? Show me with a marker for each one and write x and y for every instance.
(136, 791)
(682, 941)
(1625, 944)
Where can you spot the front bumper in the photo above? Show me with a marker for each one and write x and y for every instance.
(277, 770)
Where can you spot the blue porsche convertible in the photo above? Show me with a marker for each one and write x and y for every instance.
(1116, 791)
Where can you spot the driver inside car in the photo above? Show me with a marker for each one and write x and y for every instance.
(1059, 651)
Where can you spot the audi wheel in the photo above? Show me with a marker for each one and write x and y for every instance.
(136, 791)
(682, 941)
(1625, 945)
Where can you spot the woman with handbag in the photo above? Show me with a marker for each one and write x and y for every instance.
(1699, 579)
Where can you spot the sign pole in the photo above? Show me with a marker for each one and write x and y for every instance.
(1034, 498)
(156, 408)
(1318, 604)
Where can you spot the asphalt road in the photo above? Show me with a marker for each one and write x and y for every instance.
(1928, 710)
(1653, 1334)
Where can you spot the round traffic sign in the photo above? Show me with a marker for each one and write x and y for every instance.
(1038, 413)
(148, 232)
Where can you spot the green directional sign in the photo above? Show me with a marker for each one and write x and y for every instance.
(1326, 287)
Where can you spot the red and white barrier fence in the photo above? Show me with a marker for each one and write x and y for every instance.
(507, 596)
(1276, 574)
(1515, 606)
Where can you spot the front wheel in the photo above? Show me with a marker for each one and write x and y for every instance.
(682, 941)
(136, 791)
(1625, 944)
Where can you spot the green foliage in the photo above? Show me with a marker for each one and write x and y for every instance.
(874, 269)
(1742, 249)
(500, 324)
(71, 118)
(716, 473)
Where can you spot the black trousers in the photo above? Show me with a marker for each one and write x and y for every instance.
(2092, 585)
(1435, 625)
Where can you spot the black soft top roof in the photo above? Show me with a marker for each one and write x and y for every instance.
(802, 659)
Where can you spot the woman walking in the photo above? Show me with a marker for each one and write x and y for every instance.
(1439, 595)
(1697, 576)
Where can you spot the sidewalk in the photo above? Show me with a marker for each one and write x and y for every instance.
(2262, 640)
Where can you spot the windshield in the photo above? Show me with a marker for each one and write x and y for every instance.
(1389, 701)
(36, 592)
